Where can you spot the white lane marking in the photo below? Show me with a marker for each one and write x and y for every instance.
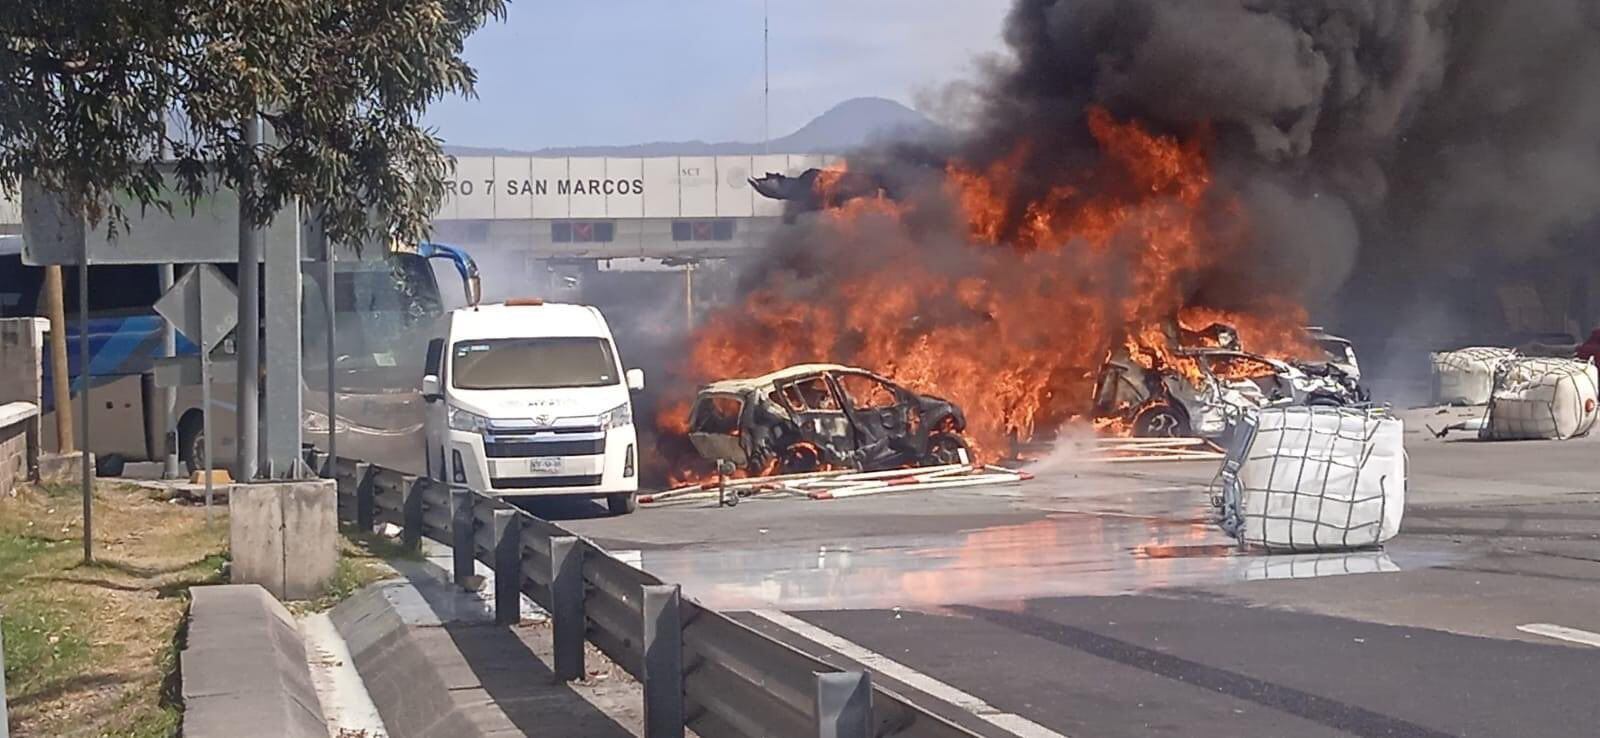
(1014, 724)
(1562, 632)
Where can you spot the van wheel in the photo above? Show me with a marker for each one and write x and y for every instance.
(623, 503)
(191, 441)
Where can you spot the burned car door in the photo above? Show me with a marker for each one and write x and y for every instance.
(822, 420)
(881, 414)
(716, 428)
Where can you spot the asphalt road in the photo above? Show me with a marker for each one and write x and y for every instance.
(1098, 600)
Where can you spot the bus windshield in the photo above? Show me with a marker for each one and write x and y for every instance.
(387, 312)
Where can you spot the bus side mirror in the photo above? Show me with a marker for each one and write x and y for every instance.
(430, 388)
(635, 379)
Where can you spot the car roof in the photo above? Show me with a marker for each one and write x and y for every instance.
(551, 319)
(1213, 351)
(793, 372)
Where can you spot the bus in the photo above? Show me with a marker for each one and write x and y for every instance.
(386, 312)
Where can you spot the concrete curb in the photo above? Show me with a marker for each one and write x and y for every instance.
(436, 666)
(244, 668)
(407, 687)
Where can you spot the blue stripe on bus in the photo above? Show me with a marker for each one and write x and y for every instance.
(118, 347)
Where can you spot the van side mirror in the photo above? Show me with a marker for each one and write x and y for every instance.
(430, 388)
(635, 379)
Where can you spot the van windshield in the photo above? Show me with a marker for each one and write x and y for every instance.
(533, 363)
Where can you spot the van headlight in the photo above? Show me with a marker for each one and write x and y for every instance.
(617, 417)
(462, 420)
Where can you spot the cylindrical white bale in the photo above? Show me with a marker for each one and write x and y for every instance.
(1544, 399)
(1316, 479)
(1466, 376)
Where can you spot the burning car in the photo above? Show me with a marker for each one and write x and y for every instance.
(1205, 391)
(819, 416)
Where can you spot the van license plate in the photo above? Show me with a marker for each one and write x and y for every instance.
(544, 466)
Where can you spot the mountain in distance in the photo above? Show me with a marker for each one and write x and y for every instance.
(845, 127)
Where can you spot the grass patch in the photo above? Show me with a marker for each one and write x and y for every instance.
(363, 560)
(42, 644)
(90, 648)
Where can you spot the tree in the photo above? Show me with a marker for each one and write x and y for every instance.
(92, 90)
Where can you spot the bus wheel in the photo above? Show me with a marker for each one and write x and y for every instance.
(622, 504)
(191, 441)
(110, 465)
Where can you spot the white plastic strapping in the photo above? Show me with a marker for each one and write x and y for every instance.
(1544, 399)
(1315, 479)
(1466, 376)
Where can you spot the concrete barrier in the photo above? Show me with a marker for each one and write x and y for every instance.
(404, 682)
(436, 665)
(244, 668)
(284, 536)
(19, 444)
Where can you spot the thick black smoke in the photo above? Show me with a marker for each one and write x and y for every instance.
(1384, 150)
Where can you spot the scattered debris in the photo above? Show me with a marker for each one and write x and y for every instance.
(837, 484)
(1125, 450)
(1314, 479)
(815, 417)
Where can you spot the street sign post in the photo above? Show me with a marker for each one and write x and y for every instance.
(204, 307)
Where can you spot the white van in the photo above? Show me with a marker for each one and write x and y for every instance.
(528, 398)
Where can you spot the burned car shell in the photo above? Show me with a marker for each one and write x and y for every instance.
(822, 415)
(1162, 402)
(1340, 351)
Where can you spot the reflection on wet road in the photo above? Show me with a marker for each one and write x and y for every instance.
(1102, 548)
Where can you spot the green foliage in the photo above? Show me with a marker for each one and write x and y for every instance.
(92, 90)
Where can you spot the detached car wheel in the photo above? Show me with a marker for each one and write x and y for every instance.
(623, 503)
(1161, 421)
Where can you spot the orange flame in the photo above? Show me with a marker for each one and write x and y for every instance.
(1014, 325)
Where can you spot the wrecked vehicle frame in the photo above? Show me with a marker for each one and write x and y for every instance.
(820, 416)
(1224, 384)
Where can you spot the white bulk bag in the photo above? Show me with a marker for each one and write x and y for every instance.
(1544, 398)
(1315, 479)
(1466, 376)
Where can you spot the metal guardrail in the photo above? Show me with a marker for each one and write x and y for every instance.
(700, 669)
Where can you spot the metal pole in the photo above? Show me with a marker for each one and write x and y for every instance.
(169, 395)
(285, 376)
(330, 300)
(766, 80)
(249, 332)
(688, 296)
(83, 403)
(205, 406)
(4, 731)
(60, 380)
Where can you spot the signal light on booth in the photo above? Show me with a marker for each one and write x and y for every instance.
(459, 476)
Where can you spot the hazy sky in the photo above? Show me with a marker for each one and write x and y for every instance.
(599, 72)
